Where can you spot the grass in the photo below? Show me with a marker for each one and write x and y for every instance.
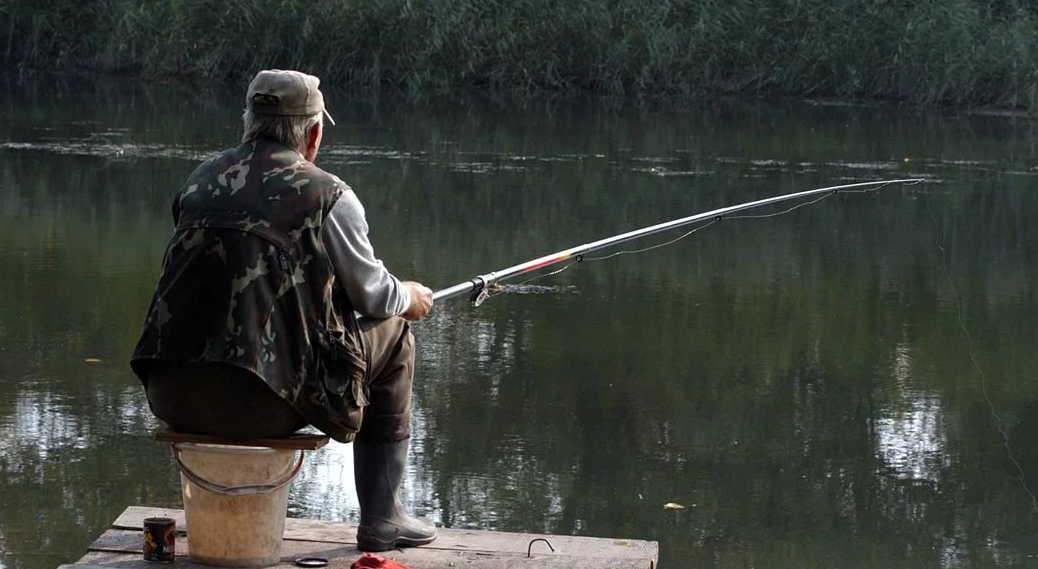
(951, 52)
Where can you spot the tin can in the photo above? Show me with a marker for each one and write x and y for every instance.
(160, 539)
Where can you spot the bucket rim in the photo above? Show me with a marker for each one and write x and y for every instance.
(280, 482)
(215, 448)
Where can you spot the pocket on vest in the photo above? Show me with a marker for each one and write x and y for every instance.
(334, 395)
(344, 374)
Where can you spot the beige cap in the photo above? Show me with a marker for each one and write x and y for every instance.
(290, 93)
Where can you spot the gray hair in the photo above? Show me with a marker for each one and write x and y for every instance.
(288, 130)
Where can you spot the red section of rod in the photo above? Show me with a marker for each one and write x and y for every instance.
(546, 262)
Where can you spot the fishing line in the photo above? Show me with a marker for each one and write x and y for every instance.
(694, 230)
(785, 211)
(704, 226)
(999, 425)
(497, 290)
(651, 247)
(581, 258)
(482, 285)
(814, 201)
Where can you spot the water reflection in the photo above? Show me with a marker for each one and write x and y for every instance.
(325, 486)
(911, 441)
(911, 435)
(38, 418)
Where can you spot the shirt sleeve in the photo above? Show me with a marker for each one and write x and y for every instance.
(371, 288)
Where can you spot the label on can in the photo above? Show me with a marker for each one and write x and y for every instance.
(160, 539)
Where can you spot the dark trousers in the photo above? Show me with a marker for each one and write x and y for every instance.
(228, 402)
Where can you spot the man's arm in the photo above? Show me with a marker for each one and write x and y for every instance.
(371, 288)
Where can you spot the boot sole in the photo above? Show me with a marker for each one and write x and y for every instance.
(375, 545)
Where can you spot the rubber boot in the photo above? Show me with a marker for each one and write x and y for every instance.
(379, 469)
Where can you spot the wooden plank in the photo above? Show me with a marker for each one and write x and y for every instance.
(449, 539)
(123, 549)
(298, 441)
(133, 517)
(129, 541)
(507, 542)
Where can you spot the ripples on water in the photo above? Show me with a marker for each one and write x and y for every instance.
(344, 155)
(110, 151)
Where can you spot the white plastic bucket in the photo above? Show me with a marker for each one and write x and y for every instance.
(235, 501)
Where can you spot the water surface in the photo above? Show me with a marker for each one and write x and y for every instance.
(846, 385)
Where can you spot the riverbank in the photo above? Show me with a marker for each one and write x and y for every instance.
(963, 53)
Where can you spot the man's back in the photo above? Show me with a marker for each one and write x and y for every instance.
(246, 281)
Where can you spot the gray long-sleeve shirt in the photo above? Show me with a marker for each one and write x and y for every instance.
(371, 288)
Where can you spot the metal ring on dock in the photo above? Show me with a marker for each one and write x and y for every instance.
(529, 548)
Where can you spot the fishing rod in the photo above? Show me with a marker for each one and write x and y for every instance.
(480, 285)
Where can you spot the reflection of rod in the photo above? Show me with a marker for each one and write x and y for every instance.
(479, 284)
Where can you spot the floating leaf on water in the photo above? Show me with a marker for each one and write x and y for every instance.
(673, 506)
(92, 361)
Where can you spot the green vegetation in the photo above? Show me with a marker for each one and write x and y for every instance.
(959, 52)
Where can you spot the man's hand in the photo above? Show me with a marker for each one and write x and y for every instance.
(421, 301)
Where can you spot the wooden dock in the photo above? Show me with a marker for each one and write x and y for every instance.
(121, 547)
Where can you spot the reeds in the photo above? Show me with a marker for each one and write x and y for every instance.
(959, 52)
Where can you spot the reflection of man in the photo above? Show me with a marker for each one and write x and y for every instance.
(252, 330)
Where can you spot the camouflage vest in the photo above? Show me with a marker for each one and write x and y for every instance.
(246, 281)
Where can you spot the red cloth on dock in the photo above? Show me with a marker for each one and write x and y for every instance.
(372, 561)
